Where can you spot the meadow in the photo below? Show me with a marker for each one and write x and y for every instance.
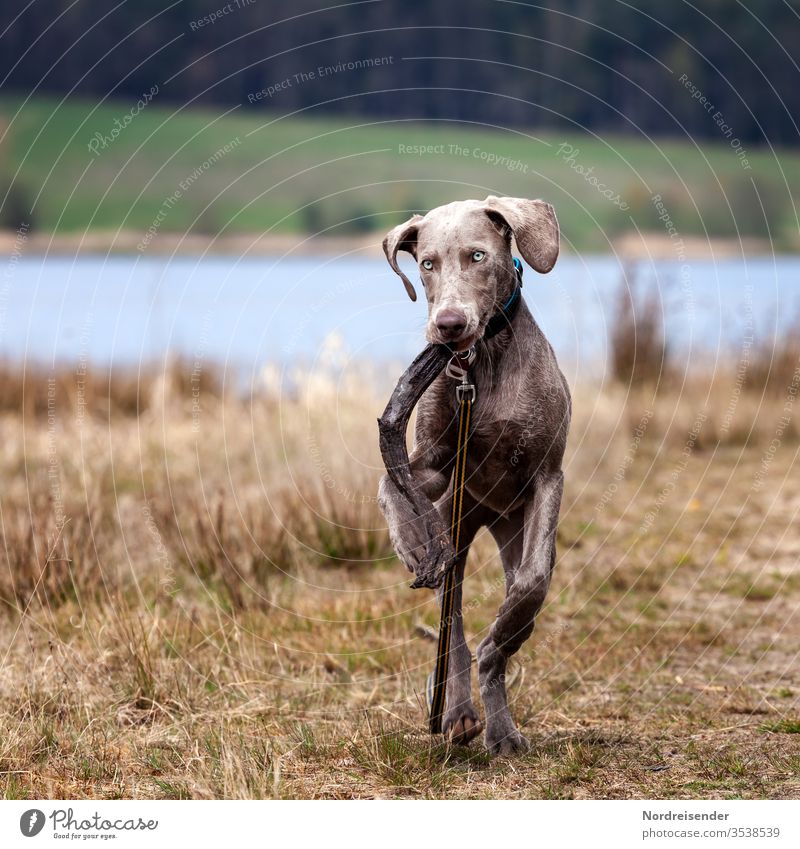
(198, 598)
(85, 167)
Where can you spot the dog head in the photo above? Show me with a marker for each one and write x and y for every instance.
(463, 251)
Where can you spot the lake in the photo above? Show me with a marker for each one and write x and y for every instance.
(248, 312)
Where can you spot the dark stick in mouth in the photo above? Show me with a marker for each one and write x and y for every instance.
(439, 551)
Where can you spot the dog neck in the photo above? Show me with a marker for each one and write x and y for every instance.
(504, 315)
(500, 332)
(509, 300)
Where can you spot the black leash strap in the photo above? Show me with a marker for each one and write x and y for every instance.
(466, 395)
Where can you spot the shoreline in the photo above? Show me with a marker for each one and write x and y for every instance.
(628, 246)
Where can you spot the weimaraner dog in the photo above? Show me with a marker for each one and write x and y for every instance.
(520, 420)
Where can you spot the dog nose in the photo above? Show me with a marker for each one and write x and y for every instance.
(451, 323)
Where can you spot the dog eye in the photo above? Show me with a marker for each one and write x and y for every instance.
(427, 264)
(477, 256)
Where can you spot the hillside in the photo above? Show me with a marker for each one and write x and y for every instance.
(120, 165)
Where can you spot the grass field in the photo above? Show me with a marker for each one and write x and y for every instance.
(201, 601)
(298, 174)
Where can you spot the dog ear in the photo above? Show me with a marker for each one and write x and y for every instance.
(402, 238)
(534, 225)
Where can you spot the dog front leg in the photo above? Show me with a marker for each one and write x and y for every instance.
(515, 619)
(408, 531)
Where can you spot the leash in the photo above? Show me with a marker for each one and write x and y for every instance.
(458, 368)
(465, 393)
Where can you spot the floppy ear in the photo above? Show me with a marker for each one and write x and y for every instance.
(402, 238)
(534, 225)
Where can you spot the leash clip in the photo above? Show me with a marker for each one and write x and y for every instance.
(458, 369)
(454, 367)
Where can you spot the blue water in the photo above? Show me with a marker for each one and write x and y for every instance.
(245, 313)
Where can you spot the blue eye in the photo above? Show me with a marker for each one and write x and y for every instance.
(477, 256)
(427, 264)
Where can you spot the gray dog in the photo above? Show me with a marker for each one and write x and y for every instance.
(520, 421)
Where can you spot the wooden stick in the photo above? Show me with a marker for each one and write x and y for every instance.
(439, 551)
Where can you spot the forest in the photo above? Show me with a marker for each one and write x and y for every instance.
(712, 69)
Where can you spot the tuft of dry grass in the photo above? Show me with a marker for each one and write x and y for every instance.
(35, 391)
(697, 405)
(774, 362)
(198, 600)
(637, 343)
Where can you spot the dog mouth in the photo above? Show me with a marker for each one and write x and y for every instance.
(469, 338)
(464, 343)
(461, 343)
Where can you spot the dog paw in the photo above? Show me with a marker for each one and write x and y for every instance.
(430, 572)
(462, 725)
(506, 742)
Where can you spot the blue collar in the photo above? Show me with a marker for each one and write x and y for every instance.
(504, 316)
(510, 302)
(515, 293)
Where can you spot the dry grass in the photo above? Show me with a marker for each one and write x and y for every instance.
(639, 353)
(33, 391)
(203, 602)
(774, 361)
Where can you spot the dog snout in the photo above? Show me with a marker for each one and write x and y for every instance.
(451, 323)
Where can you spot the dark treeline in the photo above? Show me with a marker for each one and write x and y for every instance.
(605, 66)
